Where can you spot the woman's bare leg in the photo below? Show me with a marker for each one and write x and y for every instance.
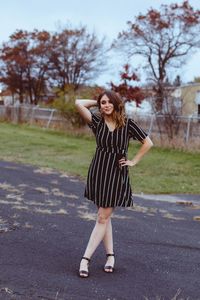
(108, 238)
(108, 244)
(97, 234)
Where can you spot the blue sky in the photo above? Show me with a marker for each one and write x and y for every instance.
(106, 18)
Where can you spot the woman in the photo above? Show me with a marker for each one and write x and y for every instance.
(108, 183)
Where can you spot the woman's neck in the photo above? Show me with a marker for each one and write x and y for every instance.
(109, 119)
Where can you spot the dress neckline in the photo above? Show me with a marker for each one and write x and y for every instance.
(111, 131)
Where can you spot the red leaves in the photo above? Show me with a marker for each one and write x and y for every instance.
(163, 38)
(25, 64)
(137, 30)
(166, 18)
(33, 61)
(153, 16)
(127, 91)
(129, 77)
(186, 5)
(191, 20)
(19, 35)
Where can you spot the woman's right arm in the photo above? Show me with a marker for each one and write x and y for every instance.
(83, 106)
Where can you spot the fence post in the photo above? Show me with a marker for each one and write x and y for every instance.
(151, 123)
(188, 129)
(32, 115)
(50, 118)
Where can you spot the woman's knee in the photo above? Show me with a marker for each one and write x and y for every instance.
(104, 215)
(102, 219)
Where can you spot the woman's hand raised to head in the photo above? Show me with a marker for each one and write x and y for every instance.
(83, 106)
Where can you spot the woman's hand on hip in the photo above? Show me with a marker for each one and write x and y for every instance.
(123, 162)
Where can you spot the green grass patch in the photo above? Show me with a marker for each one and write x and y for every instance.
(160, 171)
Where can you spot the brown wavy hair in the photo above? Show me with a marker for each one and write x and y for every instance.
(119, 112)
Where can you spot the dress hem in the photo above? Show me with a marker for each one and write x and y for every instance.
(131, 204)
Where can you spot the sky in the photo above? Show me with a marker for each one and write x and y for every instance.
(104, 17)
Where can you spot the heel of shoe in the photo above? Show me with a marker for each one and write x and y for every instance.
(83, 273)
(109, 269)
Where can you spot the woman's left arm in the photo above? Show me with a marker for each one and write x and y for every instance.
(146, 145)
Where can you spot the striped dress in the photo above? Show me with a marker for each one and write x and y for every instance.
(108, 184)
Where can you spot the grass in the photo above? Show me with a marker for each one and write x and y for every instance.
(160, 171)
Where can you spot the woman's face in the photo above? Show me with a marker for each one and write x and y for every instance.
(106, 106)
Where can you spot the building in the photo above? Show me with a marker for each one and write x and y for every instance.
(190, 95)
(186, 98)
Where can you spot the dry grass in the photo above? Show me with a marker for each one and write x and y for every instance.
(193, 145)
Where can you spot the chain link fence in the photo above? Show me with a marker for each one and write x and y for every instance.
(186, 129)
(34, 115)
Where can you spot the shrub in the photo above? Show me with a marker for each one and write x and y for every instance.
(64, 103)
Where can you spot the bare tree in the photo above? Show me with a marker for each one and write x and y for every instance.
(77, 57)
(163, 38)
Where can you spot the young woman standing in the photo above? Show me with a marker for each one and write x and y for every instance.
(108, 184)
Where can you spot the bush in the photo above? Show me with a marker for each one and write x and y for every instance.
(64, 103)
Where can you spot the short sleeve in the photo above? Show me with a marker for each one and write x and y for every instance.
(136, 132)
(95, 121)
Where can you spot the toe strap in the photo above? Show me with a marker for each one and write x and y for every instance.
(110, 254)
(83, 272)
(108, 267)
(86, 258)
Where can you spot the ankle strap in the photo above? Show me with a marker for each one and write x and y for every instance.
(109, 254)
(86, 258)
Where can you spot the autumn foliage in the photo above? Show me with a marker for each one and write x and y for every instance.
(126, 89)
(163, 38)
(25, 63)
(33, 62)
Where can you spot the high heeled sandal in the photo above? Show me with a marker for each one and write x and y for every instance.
(109, 269)
(83, 273)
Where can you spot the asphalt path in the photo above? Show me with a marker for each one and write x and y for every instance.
(45, 223)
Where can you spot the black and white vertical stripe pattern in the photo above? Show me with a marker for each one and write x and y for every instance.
(108, 185)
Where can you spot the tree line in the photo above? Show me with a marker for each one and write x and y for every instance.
(32, 61)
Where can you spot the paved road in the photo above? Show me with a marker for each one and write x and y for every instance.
(44, 227)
